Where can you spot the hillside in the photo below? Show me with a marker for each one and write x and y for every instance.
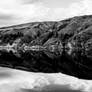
(59, 46)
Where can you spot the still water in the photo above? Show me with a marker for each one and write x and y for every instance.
(12, 75)
(52, 88)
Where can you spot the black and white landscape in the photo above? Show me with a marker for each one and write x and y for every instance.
(45, 45)
(48, 48)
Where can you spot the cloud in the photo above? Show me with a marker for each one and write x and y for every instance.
(29, 1)
(83, 7)
(22, 11)
(18, 13)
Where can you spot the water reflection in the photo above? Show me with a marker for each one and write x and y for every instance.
(5, 74)
(52, 88)
(9, 73)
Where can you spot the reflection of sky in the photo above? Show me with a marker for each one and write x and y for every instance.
(53, 88)
(22, 11)
(15, 81)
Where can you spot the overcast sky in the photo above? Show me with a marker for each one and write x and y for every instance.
(22, 11)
